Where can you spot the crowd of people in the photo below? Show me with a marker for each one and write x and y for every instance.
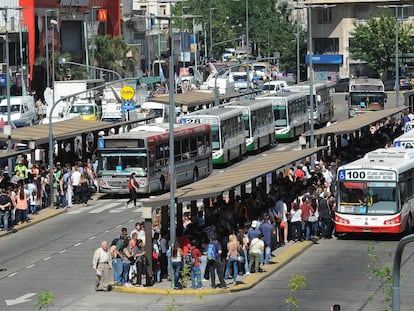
(28, 190)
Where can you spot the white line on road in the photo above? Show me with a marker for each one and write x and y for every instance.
(103, 208)
(30, 266)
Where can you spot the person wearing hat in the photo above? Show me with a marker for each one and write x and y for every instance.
(254, 231)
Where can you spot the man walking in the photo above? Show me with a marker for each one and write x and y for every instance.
(101, 264)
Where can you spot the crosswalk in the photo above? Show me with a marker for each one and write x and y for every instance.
(104, 206)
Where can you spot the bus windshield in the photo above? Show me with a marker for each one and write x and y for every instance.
(368, 198)
(215, 138)
(365, 99)
(125, 162)
(280, 116)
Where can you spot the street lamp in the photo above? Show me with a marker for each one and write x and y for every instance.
(47, 46)
(64, 61)
(182, 35)
(211, 35)
(397, 67)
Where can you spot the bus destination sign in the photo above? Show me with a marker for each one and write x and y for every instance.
(366, 175)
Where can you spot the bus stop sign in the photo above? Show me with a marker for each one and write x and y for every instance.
(127, 92)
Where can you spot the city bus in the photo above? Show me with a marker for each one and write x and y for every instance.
(291, 117)
(258, 123)
(145, 151)
(375, 194)
(227, 131)
(323, 105)
(365, 94)
(405, 140)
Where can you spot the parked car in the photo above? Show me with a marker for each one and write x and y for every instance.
(405, 84)
(342, 85)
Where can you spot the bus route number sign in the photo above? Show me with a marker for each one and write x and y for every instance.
(367, 175)
(127, 92)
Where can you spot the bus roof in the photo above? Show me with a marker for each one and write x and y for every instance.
(253, 104)
(406, 137)
(161, 129)
(394, 158)
(304, 86)
(221, 112)
(284, 95)
(366, 84)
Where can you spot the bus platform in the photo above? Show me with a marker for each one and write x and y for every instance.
(280, 257)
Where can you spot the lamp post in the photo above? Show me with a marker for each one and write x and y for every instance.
(397, 67)
(47, 47)
(211, 35)
(182, 35)
(64, 61)
(93, 21)
(9, 143)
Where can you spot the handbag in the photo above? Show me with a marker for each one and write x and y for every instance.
(240, 257)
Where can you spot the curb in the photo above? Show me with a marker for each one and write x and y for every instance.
(43, 215)
(280, 260)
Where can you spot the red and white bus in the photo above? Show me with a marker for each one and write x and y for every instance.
(375, 194)
(145, 151)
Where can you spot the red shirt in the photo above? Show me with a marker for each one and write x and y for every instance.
(196, 254)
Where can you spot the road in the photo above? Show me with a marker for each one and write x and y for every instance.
(56, 255)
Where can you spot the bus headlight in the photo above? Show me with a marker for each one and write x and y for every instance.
(284, 130)
(341, 220)
(393, 221)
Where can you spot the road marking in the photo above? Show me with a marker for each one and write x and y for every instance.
(47, 258)
(31, 266)
(103, 208)
(62, 251)
(77, 244)
(19, 300)
(11, 275)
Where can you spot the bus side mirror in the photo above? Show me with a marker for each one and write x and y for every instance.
(346, 97)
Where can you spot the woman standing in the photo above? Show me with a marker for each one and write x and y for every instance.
(133, 189)
(177, 265)
(21, 204)
(233, 247)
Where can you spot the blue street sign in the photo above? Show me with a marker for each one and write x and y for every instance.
(127, 105)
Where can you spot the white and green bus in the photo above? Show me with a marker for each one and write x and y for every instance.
(258, 123)
(291, 118)
(227, 131)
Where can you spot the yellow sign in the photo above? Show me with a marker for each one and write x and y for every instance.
(127, 92)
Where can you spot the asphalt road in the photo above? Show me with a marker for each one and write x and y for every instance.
(56, 255)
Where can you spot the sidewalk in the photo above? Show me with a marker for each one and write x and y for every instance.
(282, 256)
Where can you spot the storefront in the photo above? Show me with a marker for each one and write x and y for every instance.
(326, 67)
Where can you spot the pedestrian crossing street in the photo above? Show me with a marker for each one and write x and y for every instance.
(103, 206)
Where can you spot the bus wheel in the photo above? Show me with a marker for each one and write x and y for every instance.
(195, 175)
(162, 183)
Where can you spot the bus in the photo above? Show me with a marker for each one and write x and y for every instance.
(365, 94)
(258, 123)
(227, 131)
(322, 100)
(145, 151)
(405, 140)
(291, 116)
(375, 194)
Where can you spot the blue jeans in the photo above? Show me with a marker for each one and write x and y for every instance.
(5, 216)
(246, 261)
(21, 215)
(117, 266)
(267, 255)
(232, 261)
(125, 272)
(196, 274)
(177, 267)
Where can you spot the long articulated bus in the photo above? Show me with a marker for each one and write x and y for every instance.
(375, 194)
(365, 94)
(323, 104)
(258, 123)
(145, 151)
(291, 116)
(227, 131)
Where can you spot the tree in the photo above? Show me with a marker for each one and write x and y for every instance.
(374, 42)
(114, 54)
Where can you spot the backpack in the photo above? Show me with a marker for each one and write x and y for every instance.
(189, 259)
(212, 252)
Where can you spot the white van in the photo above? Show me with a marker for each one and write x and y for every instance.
(274, 87)
(23, 111)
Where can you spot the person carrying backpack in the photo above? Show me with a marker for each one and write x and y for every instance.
(213, 252)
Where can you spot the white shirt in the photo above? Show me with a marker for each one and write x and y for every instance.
(75, 177)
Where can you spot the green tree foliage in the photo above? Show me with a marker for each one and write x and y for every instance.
(295, 283)
(114, 54)
(374, 42)
(271, 26)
